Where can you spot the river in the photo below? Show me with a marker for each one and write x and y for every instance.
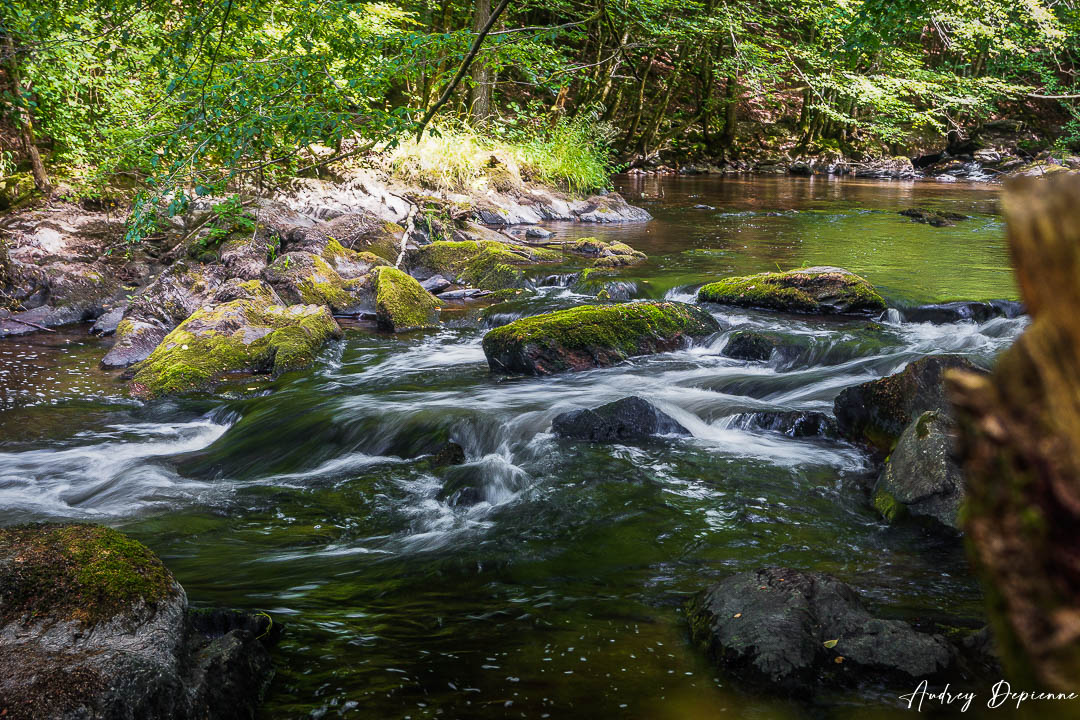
(560, 594)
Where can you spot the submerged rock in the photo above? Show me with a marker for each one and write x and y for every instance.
(793, 423)
(935, 218)
(961, 311)
(401, 303)
(822, 290)
(791, 632)
(487, 264)
(594, 336)
(92, 625)
(920, 477)
(631, 418)
(876, 412)
(257, 334)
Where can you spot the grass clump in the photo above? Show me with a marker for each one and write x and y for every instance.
(573, 156)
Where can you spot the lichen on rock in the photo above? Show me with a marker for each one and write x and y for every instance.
(401, 303)
(594, 336)
(823, 290)
(244, 335)
(607, 254)
(303, 277)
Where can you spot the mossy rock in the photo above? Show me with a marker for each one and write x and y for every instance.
(594, 336)
(819, 290)
(14, 189)
(303, 277)
(82, 573)
(875, 413)
(487, 264)
(608, 255)
(401, 303)
(362, 232)
(242, 335)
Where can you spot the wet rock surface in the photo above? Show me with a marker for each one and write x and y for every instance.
(789, 632)
(92, 625)
(961, 311)
(631, 418)
(793, 423)
(921, 477)
(877, 412)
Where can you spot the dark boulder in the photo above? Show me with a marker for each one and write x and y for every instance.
(791, 632)
(876, 412)
(594, 336)
(952, 312)
(793, 423)
(93, 626)
(630, 418)
(921, 478)
(934, 218)
(754, 345)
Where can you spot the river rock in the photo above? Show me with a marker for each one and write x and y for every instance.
(93, 626)
(606, 254)
(106, 324)
(594, 336)
(819, 290)
(401, 303)
(435, 284)
(920, 477)
(303, 277)
(256, 334)
(793, 423)
(609, 208)
(790, 632)
(963, 311)
(487, 264)
(631, 418)
(898, 167)
(878, 411)
(753, 345)
(362, 232)
(934, 218)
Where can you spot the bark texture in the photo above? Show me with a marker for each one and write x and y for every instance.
(1020, 444)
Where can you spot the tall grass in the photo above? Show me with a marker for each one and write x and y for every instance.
(572, 155)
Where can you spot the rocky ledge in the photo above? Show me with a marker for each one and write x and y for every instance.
(93, 626)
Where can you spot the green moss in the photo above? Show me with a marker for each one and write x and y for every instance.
(602, 333)
(401, 303)
(482, 264)
(887, 504)
(85, 573)
(241, 335)
(324, 287)
(796, 291)
(608, 255)
(922, 425)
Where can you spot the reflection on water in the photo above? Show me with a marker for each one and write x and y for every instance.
(558, 593)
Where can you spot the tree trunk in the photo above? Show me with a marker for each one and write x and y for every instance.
(482, 75)
(1020, 443)
(25, 122)
(731, 117)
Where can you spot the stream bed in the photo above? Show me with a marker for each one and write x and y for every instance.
(559, 595)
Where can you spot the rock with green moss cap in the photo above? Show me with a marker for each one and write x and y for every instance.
(875, 413)
(920, 478)
(401, 303)
(594, 336)
(302, 277)
(359, 231)
(488, 265)
(244, 335)
(820, 290)
(93, 625)
(606, 254)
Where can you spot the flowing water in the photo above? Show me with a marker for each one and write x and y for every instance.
(559, 594)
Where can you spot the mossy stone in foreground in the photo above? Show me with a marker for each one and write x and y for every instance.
(594, 336)
(824, 290)
(244, 335)
(401, 303)
(483, 264)
(84, 573)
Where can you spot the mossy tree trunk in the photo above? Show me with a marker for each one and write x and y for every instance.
(482, 74)
(1020, 444)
